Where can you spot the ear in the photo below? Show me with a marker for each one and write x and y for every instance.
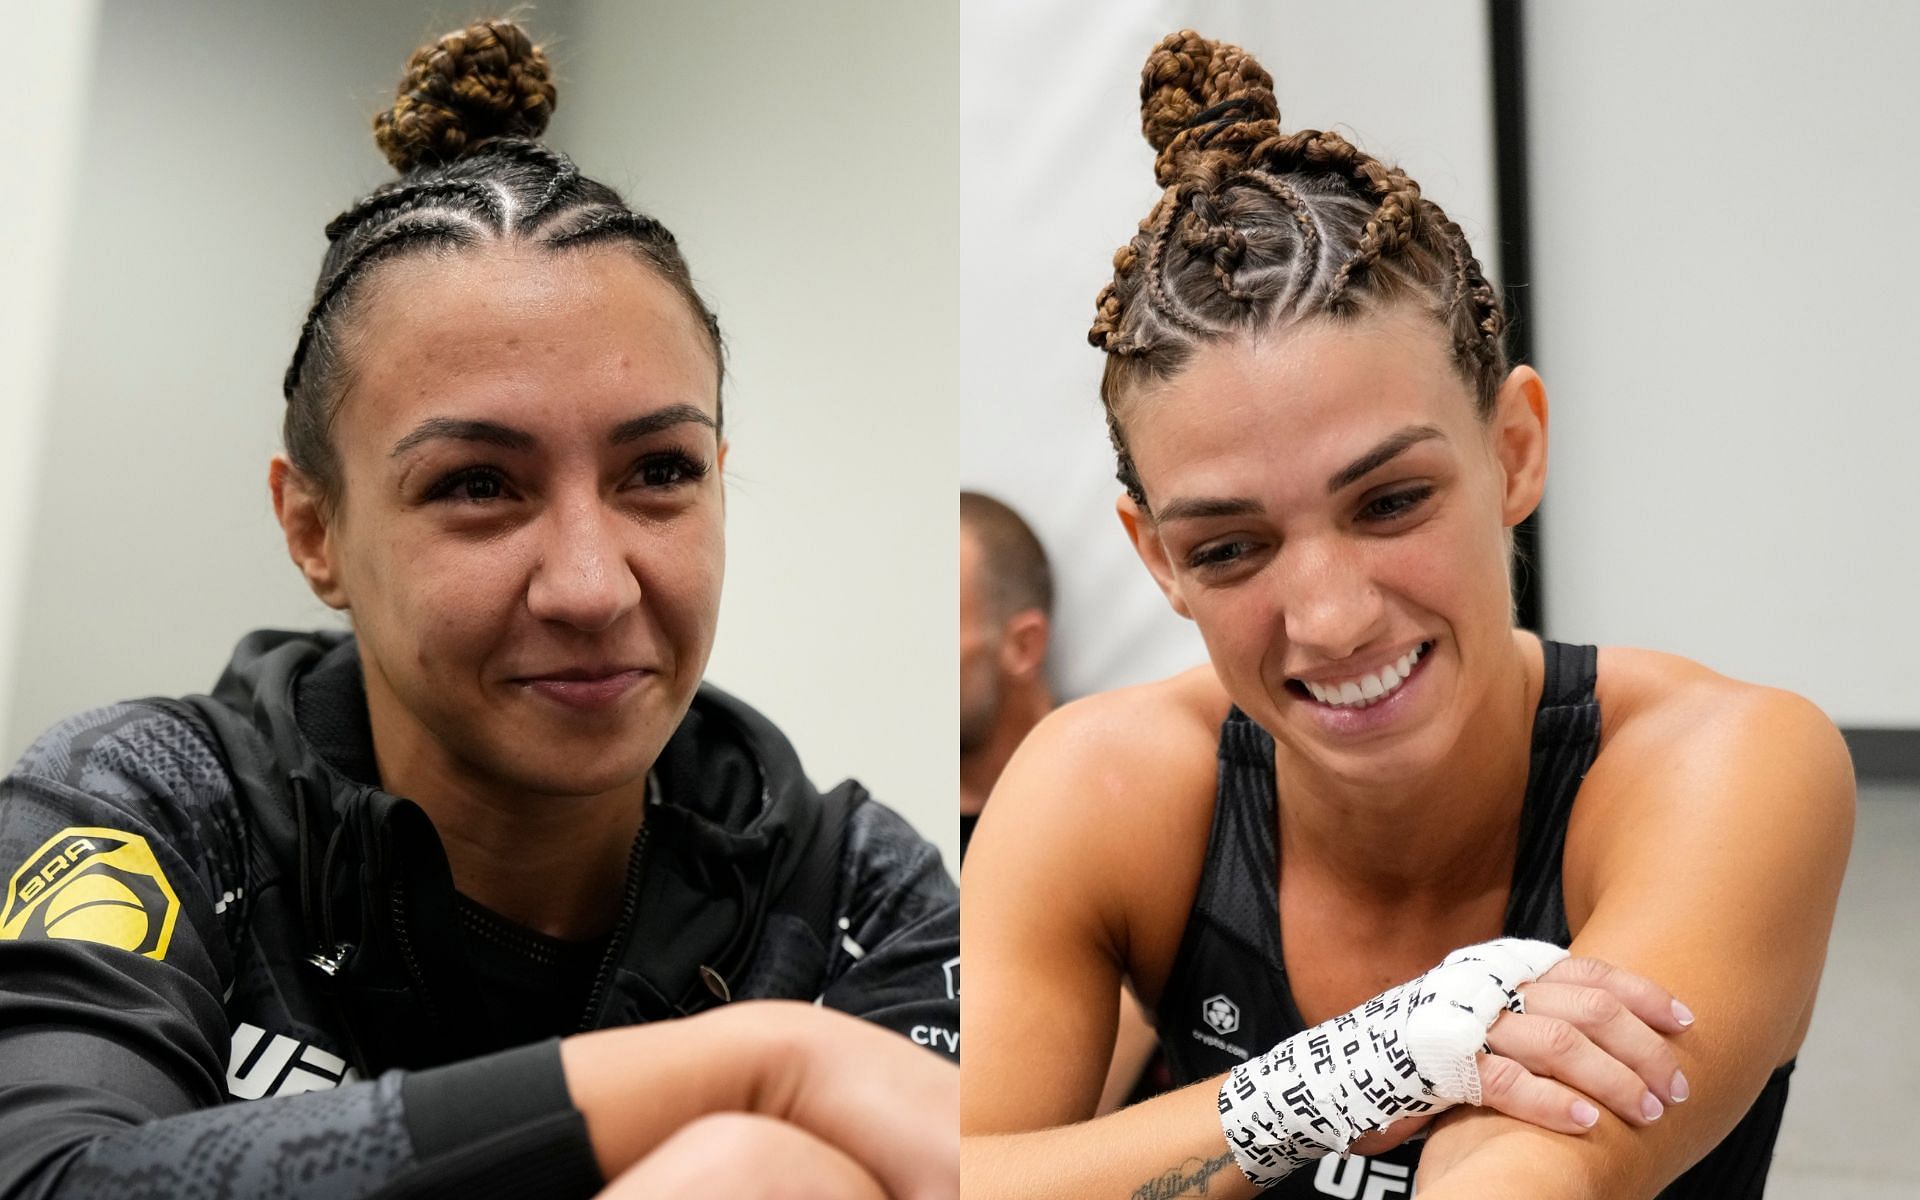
(1023, 644)
(1146, 543)
(304, 520)
(1520, 442)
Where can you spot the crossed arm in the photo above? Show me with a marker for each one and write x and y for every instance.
(1710, 859)
(1706, 854)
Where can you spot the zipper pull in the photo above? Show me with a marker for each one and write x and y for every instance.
(330, 963)
(715, 983)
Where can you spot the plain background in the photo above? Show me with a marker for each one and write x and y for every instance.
(181, 166)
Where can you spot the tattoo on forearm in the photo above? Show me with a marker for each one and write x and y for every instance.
(1190, 1178)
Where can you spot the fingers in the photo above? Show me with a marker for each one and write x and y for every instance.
(1619, 1032)
(1508, 1087)
(1553, 1048)
(1653, 1004)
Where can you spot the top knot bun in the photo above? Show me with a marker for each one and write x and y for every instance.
(485, 81)
(1193, 84)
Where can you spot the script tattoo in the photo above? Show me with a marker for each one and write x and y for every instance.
(1190, 1178)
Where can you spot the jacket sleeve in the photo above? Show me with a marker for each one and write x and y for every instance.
(898, 960)
(123, 857)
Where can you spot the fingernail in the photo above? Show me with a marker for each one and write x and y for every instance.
(1585, 1115)
(1679, 1089)
(1682, 1013)
(1650, 1107)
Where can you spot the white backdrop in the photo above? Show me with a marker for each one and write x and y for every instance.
(806, 158)
(1055, 176)
(1726, 268)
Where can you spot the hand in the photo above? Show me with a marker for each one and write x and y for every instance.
(890, 1105)
(1591, 1031)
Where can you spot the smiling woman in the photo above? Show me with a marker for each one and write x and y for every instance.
(427, 894)
(1323, 449)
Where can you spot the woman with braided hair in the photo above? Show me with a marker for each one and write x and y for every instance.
(494, 896)
(1323, 450)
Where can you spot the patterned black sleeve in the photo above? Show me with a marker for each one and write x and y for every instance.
(898, 961)
(123, 860)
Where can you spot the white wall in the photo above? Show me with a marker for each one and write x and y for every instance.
(1055, 176)
(1726, 269)
(218, 139)
(40, 143)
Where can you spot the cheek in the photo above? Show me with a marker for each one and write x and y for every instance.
(682, 568)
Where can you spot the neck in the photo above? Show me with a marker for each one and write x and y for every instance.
(980, 766)
(555, 864)
(1431, 838)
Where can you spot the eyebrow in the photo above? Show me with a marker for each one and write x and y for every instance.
(506, 437)
(1391, 448)
(1201, 509)
(1204, 508)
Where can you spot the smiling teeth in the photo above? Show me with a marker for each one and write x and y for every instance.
(1367, 689)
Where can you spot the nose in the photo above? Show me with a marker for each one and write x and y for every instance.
(1331, 603)
(583, 577)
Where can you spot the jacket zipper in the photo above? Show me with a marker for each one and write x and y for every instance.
(405, 940)
(629, 903)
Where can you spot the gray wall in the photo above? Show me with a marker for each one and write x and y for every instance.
(1725, 261)
(808, 167)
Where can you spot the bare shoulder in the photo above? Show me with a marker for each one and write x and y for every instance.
(1107, 793)
(1694, 754)
(1114, 742)
(1664, 711)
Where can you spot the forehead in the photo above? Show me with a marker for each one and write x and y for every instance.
(1301, 401)
(518, 333)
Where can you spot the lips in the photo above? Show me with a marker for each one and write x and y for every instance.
(1356, 691)
(586, 688)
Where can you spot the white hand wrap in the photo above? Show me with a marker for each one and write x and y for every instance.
(1407, 1051)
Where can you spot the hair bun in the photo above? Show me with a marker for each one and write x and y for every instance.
(1186, 82)
(485, 81)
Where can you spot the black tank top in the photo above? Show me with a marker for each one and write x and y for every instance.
(1227, 997)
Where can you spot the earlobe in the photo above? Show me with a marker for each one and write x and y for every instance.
(1520, 415)
(1146, 543)
(304, 521)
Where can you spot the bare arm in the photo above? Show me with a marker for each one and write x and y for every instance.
(1710, 857)
(1133, 1046)
(1045, 930)
(870, 1095)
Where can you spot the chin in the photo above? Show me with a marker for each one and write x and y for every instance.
(547, 774)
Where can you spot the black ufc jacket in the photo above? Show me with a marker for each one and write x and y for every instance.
(211, 899)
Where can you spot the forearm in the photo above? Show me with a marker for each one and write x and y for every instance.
(637, 1086)
(1169, 1146)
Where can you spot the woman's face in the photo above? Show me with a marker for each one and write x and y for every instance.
(529, 537)
(1331, 512)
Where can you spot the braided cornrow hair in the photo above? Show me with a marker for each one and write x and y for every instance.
(1257, 229)
(464, 135)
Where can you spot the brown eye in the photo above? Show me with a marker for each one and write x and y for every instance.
(1395, 504)
(475, 485)
(668, 470)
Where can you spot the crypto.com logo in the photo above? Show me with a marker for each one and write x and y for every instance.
(1221, 1014)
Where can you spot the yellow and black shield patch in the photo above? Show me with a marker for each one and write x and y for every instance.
(92, 885)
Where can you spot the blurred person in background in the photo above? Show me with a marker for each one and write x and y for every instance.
(1006, 612)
